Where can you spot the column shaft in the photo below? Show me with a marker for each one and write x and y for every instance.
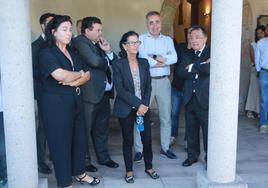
(224, 90)
(18, 102)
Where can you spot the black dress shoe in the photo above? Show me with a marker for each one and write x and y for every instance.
(44, 168)
(188, 162)
(91, 168)
(111, 164)
(169, 154)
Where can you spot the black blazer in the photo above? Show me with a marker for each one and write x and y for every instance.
(181, 48)
(126, 100)
(37, 45)
(201, 84)
(97, 64)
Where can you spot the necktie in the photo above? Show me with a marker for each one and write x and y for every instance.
(197, 53)
(109, 75)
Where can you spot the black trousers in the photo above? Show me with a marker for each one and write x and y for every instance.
(41, 139)
(97, 118)
(195, 117)
(127, 125)
(64, 123)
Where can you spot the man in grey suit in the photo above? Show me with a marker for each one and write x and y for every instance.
(97, 55)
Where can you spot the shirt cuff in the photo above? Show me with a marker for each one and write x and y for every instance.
(190, 67)
(151, 61)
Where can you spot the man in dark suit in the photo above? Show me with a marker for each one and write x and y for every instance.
(37, 45)
(177, 90)
(194, 68)
(97, 56)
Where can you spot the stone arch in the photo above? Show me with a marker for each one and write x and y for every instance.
(168, 12)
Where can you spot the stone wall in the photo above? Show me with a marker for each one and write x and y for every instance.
(247, 38)
(168, 12)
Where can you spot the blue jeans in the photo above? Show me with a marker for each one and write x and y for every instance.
(176, 102)
(3, 165)
(263, 82)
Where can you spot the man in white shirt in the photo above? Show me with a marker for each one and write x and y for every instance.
(261, 62)
(159, 50)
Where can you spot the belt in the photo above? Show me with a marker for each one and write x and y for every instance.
(159, 77)
(264, 69)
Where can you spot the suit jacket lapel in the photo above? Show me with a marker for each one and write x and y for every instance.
(204, 52)
(142, 76)
(61, 56)
(202, 57)
(128, 73)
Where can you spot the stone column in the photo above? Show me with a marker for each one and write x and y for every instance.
(224, 96)
(18, 100)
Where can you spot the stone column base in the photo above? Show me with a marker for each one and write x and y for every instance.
(42, 183)
(204, 182)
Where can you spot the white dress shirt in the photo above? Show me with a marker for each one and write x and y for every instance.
(109, 56)
(161, 45)
(1, 100)
(261, 54)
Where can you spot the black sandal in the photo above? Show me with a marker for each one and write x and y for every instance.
(81, 180)
(129, 179)
(153, 174)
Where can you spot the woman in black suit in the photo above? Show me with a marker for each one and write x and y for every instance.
(133, 85)
(61, 104)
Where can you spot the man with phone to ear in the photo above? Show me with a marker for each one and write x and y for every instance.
(97, 56)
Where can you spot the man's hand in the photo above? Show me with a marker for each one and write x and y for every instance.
(161, 59)
(104, 45)
(142, 110)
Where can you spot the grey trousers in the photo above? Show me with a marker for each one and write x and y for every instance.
(97, 124)
(161, 91)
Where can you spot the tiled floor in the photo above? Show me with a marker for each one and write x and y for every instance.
(252, 161)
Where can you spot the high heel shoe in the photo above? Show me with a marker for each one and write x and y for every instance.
(81, 180)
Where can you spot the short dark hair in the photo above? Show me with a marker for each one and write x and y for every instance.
(54, 24)
(88, 22)
(45, 16)
(152, 13)
(123, 40)
(259, 27)
(199, 27)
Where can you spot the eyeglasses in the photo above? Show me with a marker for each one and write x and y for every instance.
(133, 43)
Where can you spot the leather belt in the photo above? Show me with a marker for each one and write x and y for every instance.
(264, 69)
(159, 77)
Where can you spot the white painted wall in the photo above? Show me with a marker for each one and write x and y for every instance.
(118, 16)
